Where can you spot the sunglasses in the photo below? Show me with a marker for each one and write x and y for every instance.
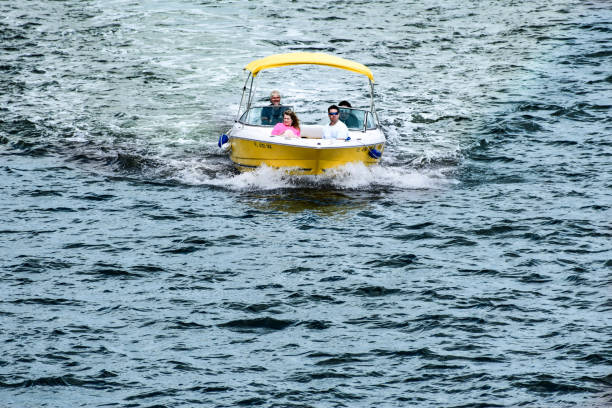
(333, 113)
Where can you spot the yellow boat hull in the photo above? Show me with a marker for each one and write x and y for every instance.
(248, 154)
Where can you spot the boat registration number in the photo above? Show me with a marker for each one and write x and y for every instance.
(263, 145)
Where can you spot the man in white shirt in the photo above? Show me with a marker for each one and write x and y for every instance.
(335, 129)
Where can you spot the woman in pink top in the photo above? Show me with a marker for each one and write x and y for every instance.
(289, 127)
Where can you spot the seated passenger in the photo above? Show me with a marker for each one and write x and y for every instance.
(272, 114)
(349, 118)
(290, 127)
(336, 129)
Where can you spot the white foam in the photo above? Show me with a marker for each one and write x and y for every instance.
(262, 178)
(354, 176)
(348, 177)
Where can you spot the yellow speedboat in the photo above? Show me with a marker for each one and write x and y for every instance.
(251, 144)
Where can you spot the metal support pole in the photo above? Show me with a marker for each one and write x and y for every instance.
(242, 98)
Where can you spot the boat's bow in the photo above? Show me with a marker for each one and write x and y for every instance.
(253, 146)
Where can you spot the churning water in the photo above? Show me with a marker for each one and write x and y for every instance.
(472, 268)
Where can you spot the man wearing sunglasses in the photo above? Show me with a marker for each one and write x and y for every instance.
(336, 129)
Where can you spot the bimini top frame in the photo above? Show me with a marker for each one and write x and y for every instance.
(301, 58)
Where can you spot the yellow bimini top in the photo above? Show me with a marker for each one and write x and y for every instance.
(316, 58)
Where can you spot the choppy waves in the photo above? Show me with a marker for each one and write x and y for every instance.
(470, 269)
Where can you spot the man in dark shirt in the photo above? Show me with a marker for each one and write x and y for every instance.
(349, 118)
(273, 114)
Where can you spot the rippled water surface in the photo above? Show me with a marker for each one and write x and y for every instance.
(472, 268)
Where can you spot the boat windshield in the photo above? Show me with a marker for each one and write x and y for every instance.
(264, 115)
(356, 118)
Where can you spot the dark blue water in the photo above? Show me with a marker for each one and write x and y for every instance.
(472, 268)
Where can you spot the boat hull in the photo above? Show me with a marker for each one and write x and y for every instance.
(253, 149)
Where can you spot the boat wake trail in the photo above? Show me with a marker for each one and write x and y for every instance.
(201, 164)
(352, 176)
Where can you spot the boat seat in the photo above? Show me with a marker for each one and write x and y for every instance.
(312, 131)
